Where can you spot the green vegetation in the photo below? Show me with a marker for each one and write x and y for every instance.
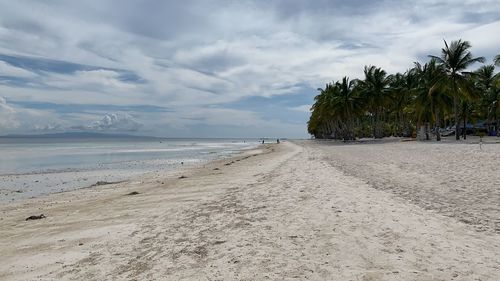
(440, 93)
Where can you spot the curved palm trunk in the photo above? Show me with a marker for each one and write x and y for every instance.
(465, 127)
(498, 127)
(455, 109)
(377, 126)
(497, 121)
(349, 126)
(350, 129)
(437, 127)
(402, 122)
(374, 129)
(325, 131)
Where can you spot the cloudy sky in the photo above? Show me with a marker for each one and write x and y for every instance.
(209, 68)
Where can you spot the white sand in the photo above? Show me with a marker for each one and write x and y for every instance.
(286, 214)
(457, 179)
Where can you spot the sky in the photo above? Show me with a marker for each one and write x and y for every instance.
(209, 68)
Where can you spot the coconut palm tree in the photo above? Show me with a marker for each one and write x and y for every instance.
(485, 77)
(486, 83)
(431, 96)
(456, 58)
(319, 124)
(335, 110)
(345, 105)
(401, 91)
(438, 92)
(374, 90)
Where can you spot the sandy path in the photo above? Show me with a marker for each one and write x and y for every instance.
(456, 179)
(285, 214)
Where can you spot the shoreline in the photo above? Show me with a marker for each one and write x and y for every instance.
(278, 212)
(23, 186)
(59, 207)
(137, 181)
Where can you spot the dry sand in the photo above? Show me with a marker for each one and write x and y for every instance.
(457, 179)
(294, 211)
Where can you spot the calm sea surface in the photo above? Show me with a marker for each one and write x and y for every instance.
(19, 156)
(30, 167)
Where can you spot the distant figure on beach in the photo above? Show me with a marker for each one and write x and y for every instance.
(277, 140)
(262, 141)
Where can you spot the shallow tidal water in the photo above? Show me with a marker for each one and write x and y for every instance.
(31, 167)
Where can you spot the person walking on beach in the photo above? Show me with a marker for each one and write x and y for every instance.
(277, 140)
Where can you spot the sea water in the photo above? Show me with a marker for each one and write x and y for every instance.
(31, 167)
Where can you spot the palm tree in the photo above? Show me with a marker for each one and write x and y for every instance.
(485, 77)
(345, 106)
(334, 111)
(490, 103)
(456, 58)
(374, 90)
(439, 92)
(319, 124)
(401, 91)
(431, 95)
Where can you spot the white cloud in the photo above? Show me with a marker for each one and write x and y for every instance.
(15, 119)
(115, 122)
(93, 80)
(197, 62)
(8, 119)
(49, 128)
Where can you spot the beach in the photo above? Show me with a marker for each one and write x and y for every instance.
(298, 210)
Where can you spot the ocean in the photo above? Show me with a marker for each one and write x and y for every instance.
(31, 167)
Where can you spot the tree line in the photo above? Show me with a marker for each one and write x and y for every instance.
(429, 97)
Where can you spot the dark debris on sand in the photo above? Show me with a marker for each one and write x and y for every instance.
(104, 183)
(42, 216)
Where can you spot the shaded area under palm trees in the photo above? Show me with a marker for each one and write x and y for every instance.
(429, 97)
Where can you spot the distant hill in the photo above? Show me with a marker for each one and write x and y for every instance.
(77, 135)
